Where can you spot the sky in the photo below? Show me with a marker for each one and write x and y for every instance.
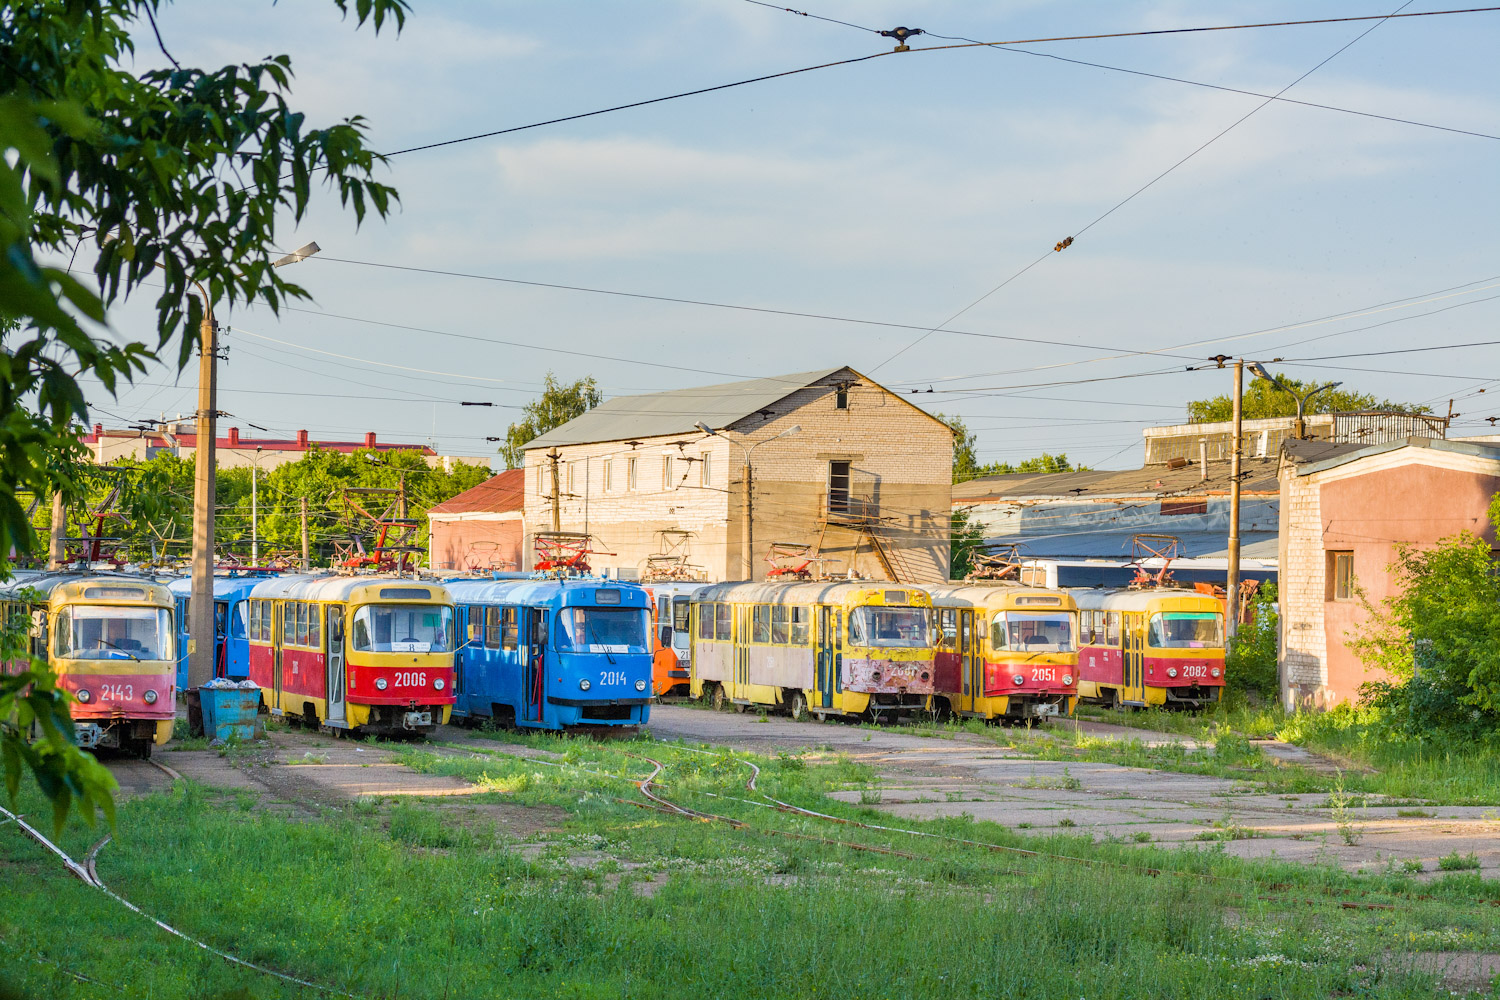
(912, 189)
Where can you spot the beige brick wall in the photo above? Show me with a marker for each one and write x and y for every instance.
(901, 472)
(1302, 590)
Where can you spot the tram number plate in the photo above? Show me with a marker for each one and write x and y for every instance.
(410, 678)
(117, 692)
(1044, 673)
(1195, 670)
(613, 677)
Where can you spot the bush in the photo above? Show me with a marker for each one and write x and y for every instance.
(1250, 663)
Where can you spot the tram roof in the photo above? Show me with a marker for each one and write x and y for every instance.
(224, 586)
(819, 592)
(540, 591)
(75, 582)
(1106, 599)
(348, 589)
(1001, 593)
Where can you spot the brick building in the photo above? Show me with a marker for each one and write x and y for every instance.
(480, 528)
(1344, 510)
(838, 464)
(233, 451)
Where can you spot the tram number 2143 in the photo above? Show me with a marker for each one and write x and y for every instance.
(1044, 673)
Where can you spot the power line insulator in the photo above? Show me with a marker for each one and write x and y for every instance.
(1064, 245)
(901, 35)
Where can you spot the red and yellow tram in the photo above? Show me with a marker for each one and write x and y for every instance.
(111, 642)
(1150, 648)
(367, 654)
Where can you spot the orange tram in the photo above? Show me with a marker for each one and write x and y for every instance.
(1150, 648)
(111, 641)
(364, 654)
(1004, 651)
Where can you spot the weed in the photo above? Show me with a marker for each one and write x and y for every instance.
(1067, 821)
(1456, 862)
(1066, 782)
(870, 796)
(1142, 837)
(308, 758)
(1339, 804)
(1415, 813)
(1023, 826)
(1412, 865)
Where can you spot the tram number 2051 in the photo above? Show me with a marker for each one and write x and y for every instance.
(1044, 673)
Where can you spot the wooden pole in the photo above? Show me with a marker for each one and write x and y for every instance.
(201, 605)
(1232, 585)
(57, 544)
(303, 505)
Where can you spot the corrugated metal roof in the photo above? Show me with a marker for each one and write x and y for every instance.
(677, 412)
(497, 494)
(1259, 475)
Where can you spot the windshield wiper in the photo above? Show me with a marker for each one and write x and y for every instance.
(121, 650)
(589, 628)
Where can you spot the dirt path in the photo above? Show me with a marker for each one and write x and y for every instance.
(929, 777)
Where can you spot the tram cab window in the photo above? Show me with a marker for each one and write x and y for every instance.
(104, 632)
(603, 630)
(681, 608)
(722, 622)
(760, 623)
(402, 628)
(888, 627)
(1032, 632)
(1186, 630)
(237, 629)
(801, 625)
(780, 624)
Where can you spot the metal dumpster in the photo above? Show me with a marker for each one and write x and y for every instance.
(230, 709)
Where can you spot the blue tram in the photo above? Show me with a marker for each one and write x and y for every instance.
(231, 638)
(552, 654)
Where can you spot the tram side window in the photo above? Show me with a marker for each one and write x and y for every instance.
(476, 625)
(948, 628)
(760, 623)
(1111, 628)
(722, 622)
(681, 606)
(780, 624)
(801, 625)
(492, 628)
(288, 624)
(706, 621)
(237, 621)
(509, 634)
(301, 624)
(315, 625)
(265, 621)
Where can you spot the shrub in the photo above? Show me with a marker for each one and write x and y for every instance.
(1250, 663)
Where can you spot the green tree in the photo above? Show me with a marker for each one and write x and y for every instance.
(966, 464)
(1262, 399)
(179, 176)
(558, 404)
(1439, 637)
(1250, 663)
(966, 538)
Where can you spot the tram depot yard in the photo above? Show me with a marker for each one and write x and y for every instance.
(979, 862)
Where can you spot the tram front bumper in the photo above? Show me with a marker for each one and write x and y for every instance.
(416, 720)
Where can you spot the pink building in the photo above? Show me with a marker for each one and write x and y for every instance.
(481, 528)
(1344, 510)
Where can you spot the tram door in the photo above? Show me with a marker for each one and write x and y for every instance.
(742, 615)
(965, 646)
(973, 660)
(337, 693)
(534, 665)
(826, 668)
(1130, 629)
(278, 618)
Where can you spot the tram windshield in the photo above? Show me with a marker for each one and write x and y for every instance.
(603, 630)
(107, 632)
(891, 627)
(402, 628)
(1186, 630)
(1032, 632)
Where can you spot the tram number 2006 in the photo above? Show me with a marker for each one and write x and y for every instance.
(1044, 673)
(410, 678)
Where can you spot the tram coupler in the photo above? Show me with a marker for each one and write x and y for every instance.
(89, 734)
(416, 720)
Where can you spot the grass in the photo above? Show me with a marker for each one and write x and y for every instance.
(429, 899)
(1456, 862)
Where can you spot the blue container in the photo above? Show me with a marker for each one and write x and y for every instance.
(229, 712)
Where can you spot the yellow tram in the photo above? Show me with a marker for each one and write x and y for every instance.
(813, 648)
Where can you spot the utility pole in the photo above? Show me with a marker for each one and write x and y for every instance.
(303, 504)
(254, 511)
(201, 604)
(552, 458)
(57, 547)
(1232, 585)
(401, 497)
(749, 519)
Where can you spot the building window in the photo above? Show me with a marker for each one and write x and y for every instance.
(1341, 576)
(838, 487)
(707, 468)
(841, 398)
(630, 474)
(1170, 508)
(666, 472)
(570, 476)
(609, 474)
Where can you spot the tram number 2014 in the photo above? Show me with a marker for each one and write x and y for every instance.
(607, 677)
(1044, 673)
(410, 678)
(117, 692)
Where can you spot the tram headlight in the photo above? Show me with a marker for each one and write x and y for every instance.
(149, 697)
(1214, 672)
(1171, 671)
(1019, 679)
(640, 685)
(1067, 678)
(584, 684)
(439, 683)
(84, 696)
(380, 683)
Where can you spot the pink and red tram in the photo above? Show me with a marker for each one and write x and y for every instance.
(111, 641)
(1150, 648)
(365, 654)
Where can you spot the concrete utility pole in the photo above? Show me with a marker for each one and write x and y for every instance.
(57, 545)
(255, 510)
(201, 603)
(303, 504)
(749, 529)
(552, 458)
(1232, 585)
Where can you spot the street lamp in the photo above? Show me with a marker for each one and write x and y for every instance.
(1299, 429)
(749, 482)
